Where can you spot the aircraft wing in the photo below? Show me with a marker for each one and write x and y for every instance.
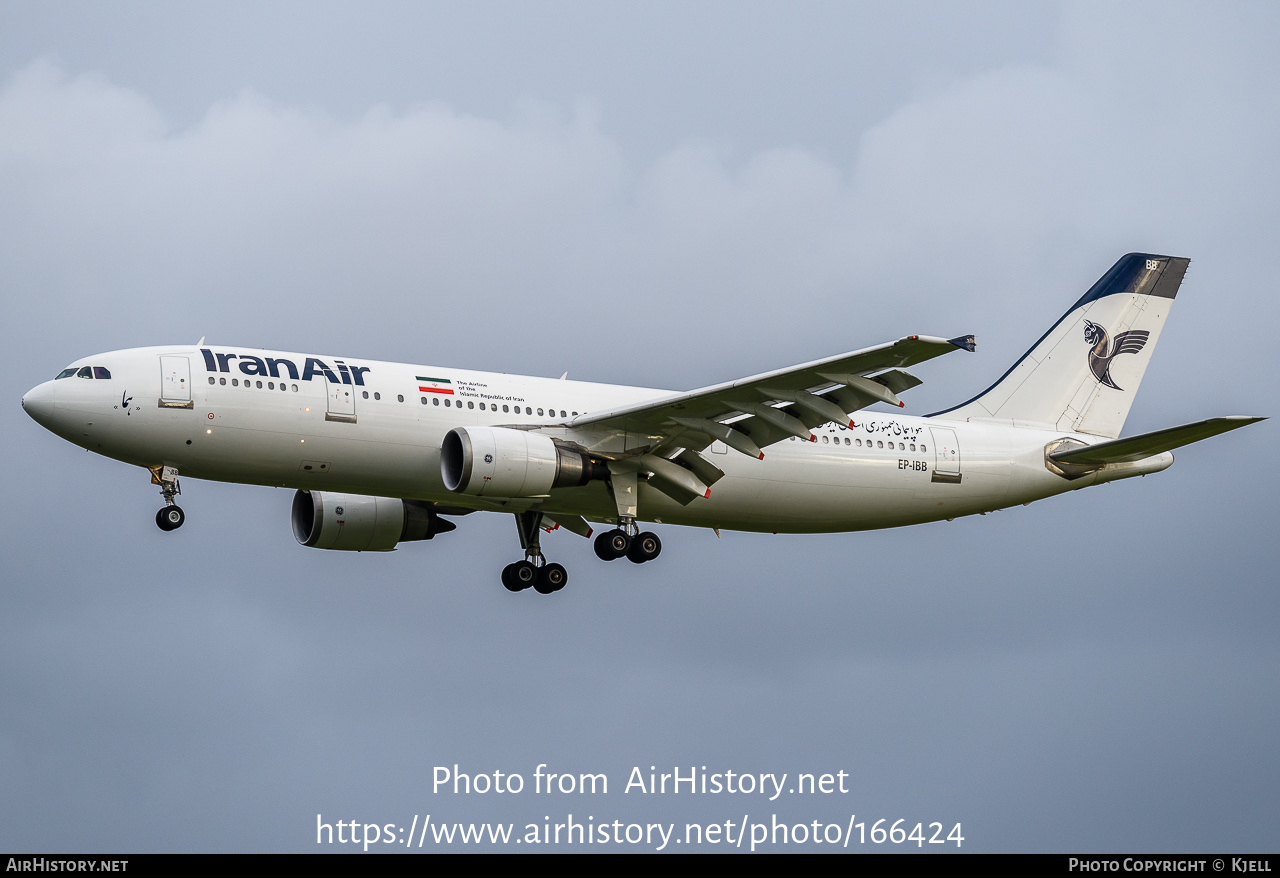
(753, 413)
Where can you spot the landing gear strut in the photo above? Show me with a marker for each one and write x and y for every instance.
(534, 569)
(170, 516)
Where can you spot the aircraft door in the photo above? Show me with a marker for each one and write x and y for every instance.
(175, 382)
(341, 402)
(946, 451)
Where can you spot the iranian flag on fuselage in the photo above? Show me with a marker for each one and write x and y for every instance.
(435, 385)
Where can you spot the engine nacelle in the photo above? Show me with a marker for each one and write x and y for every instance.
(358, 523)
(501, 462)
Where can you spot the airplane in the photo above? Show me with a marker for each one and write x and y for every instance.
(384, 453)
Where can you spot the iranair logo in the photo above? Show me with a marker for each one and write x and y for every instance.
(1104, 350)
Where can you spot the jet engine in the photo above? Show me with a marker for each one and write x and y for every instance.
(501, 462)
(358, 523)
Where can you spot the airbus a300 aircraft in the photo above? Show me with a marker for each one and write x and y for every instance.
(383, 453)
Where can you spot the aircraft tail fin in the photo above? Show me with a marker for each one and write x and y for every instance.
(1082, 374)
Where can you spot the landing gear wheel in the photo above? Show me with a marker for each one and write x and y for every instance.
(551, 578)
(170, 518)
(645, 547)
(519, 576)
(612, 544)
(603, 552)
(509, 580)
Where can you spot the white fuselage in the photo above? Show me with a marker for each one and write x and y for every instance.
(368, 427)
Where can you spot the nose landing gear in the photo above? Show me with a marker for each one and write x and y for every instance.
(170, 516)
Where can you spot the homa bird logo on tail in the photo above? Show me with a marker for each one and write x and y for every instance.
(1100, 357)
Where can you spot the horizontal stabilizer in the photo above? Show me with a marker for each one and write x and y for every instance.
(1147, 445)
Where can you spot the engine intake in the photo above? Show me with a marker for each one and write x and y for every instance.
(359, 523)
(501, 462)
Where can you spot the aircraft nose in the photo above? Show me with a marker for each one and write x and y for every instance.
(39, 403)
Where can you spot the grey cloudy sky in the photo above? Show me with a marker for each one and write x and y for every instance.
(667, 195)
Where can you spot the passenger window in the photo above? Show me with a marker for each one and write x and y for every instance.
(235, 382)
(222, 381)
(400, 397)
(539, 412)
(527, 410)
(424, 400)
(210, 379)
(271, 385)
(435, 400)
(377, 395)
(364, 394)
(470, 404)
(504, 408)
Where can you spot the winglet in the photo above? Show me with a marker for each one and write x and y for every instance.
(964, 342)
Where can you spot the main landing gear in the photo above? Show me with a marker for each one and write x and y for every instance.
(534, 569)
(170, 516)
(626, 540)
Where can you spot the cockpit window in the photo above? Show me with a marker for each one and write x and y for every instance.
(65, 373)
(100, 372)
(85, 372)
